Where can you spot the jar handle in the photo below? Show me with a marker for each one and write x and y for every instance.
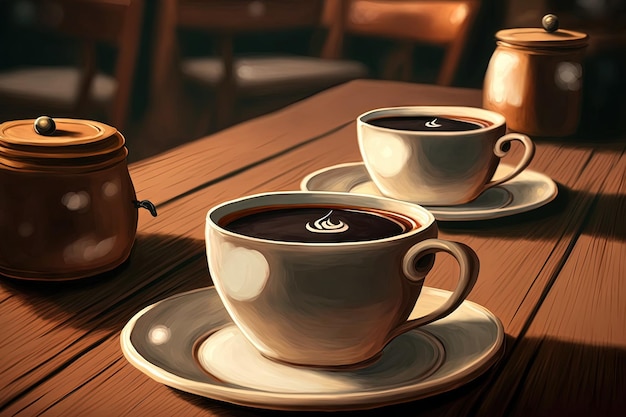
(146, 204)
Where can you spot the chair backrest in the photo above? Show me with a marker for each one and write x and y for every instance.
(442, 23)
(224, 16)
(224, 19)
(113, 22)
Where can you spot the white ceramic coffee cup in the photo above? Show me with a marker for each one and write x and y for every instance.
(437, 168)
(328, 304)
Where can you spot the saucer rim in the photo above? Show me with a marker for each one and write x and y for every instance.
(249, 397)
(441, 214)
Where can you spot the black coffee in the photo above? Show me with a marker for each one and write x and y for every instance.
(317, 224)
(429, 123)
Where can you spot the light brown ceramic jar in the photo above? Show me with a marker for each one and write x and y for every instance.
(67, 204)
(534, 80)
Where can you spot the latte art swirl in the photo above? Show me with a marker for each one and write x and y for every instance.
(325, 225)
(433, 123)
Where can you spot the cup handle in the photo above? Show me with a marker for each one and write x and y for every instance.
(468, 265)
(502, 148)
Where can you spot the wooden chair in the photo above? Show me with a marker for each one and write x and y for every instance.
(83, 89)
(230, 77)
(444, 24)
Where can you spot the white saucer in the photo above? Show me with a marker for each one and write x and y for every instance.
(189, 343)
(528, 191)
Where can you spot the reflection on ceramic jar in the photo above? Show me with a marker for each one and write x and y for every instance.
(68, 208)
(534, 79)
(568, 76)
(505, 88)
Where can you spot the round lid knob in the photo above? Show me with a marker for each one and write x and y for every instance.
(550, 23)
(547, 36)
(45, 125)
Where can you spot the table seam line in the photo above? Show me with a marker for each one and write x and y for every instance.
(247, 167)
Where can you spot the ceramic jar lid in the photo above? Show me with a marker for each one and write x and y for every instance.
(539, 38)
(73, 143)
(547, 37)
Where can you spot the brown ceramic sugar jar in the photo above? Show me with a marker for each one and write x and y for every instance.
(67, 204)
(534, 80)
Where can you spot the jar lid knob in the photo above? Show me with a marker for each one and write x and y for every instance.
(45, 126)
(550, 23)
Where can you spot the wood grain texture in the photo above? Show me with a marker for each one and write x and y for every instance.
(287, 171)
(572, 358)
(515, 286)
(61, 354)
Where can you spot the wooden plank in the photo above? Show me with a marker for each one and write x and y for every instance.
(572, 357)
(529, 242)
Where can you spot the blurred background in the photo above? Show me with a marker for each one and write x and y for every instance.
(168, 71)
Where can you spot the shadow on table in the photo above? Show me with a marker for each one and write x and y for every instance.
(159, 266)
(604, 217)
(163, 265)
(537, 378)
(553, 377)
(587, 139)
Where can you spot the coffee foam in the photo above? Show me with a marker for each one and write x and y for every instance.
(325, 225)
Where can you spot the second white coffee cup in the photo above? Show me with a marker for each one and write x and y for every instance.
(436, 155)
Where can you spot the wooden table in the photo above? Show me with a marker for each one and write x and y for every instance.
(556, 276)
